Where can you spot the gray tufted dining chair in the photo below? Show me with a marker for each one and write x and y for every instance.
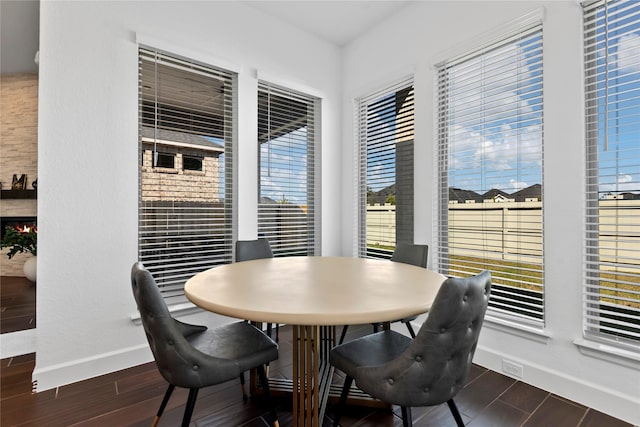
(193, 356)
(428, 370)
(247, 250)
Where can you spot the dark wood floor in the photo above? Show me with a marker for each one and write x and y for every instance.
(17, 304)
(132, 396)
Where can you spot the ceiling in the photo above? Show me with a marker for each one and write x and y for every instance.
(337, 22)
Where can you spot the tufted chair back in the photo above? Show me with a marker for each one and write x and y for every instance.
(247, 250)
(176, 358)
(411, 254)
(435, 365)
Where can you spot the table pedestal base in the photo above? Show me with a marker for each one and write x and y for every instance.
(311, 386)
(311, 373)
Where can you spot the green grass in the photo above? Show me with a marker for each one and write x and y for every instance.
(504, 271)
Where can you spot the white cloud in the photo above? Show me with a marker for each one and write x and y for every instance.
(622, 179)
(624, 182)
(628, 56)
(517, 185)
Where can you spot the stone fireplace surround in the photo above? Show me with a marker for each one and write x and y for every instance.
(18, 152)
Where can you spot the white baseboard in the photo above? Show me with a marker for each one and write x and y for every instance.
(17, 343)
(82, 369)
(604, 400)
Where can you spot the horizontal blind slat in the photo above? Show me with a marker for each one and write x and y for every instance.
(185, 218)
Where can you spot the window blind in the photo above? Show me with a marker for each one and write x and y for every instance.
(287, 142)
(490, 143)
(612, 94)
(385, 135)
(185, 213)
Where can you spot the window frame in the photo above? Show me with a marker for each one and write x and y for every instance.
(193, 234)
(299, 229)
(511, 318)
(365, 108)
(604, 322)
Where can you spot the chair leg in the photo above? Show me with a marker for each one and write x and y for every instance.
(245, 398)
(410, 328)
(269, 329)
(188, 410)
(406, 416)
(455, 412)
(163, 405)
(265, 387)
(343, 399)
(343, 334)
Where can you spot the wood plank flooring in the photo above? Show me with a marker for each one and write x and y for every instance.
(132, 396)
(17, 304)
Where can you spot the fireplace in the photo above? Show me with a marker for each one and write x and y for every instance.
(16, 221)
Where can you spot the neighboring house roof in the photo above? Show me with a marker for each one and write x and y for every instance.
(380, 196)
(461, 196)
(267, 200)
(533, 191)
(180, 139)
(623, 196)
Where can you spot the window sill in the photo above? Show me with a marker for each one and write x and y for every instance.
(176, 310)
(193, 172)
(514, 328)
(165, 170)
(608, 353)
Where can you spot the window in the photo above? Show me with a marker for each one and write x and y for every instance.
(191, 163)
(185, 220)
(385, 167)
(164, 160)
(287, 142)
(612, 94)
(490, 141)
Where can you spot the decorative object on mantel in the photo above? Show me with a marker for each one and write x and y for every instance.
(23, 239)
(19, 183)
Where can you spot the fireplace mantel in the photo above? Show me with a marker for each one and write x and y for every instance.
(18, 194)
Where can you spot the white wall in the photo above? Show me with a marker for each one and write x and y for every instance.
(88, 170)
(88, 151)
(418, 37)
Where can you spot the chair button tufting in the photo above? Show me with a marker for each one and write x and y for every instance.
(170, 342)
(465, 298)
(426, 390)
(418, 358)
(390, 381)
(443, 330)
(196, 367)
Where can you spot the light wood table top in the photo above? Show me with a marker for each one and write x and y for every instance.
(315, 290)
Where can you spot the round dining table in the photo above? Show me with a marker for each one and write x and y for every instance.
(314, 294)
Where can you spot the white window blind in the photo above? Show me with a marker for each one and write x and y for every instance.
(612, 93)
(185, 214)
(490, 139)
(287, 142)
(385, 135)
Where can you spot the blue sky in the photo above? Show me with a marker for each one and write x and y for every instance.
(619, 152)
(494, 117)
